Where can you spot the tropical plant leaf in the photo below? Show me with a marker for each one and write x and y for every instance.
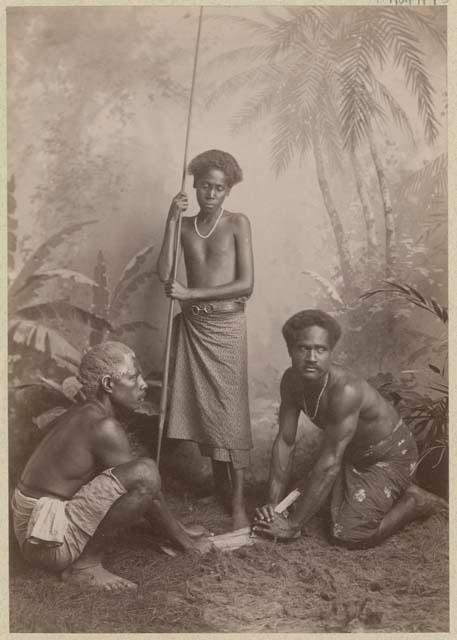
(413, 295)
(293, 116)
(36, 336)
(131, 286)
(61, 309)
(37, 279)
(133, 267)
(434, 368)
(128, 327)
(42, 253)
(71, 387)
(431, 179)
(101, 295)
(253, 110)
(268, 74)
(329, 128)
(238, 58)
(328, 287)
(46, 419)
(404, 46)
(399, 115)
(425, 25)
(148, 408)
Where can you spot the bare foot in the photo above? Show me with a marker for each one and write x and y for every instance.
(95, 576)
(240, 518)
(427, 503)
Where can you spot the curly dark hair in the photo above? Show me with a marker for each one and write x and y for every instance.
(311, 318)
(216, 159)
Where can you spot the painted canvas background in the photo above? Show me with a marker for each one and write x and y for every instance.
(338, 117)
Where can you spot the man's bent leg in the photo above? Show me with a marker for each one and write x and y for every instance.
(415, 503)
(141, 481)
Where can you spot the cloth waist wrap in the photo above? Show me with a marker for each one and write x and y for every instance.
(52, 522)
(209, 401)
(39, 520)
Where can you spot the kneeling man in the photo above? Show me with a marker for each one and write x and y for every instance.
(368, 454)
(82, 483)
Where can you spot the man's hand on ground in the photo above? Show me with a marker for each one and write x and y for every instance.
(265, 513)
(279, 528)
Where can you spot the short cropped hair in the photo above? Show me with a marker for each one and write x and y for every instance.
(105, 359)
(311, 318)
(216, 159)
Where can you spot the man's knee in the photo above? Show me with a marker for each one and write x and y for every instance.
(141, 475)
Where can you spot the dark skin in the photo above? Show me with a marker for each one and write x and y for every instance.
(350, 411)
(219, 267)
(83, 442)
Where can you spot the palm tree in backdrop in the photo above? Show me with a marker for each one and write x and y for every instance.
(319, 81)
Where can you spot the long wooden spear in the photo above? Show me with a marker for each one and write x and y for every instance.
(176, 251)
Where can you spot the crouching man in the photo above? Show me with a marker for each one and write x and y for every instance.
(82, 484)
(368, 454)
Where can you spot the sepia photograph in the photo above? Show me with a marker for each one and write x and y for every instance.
(227, 276)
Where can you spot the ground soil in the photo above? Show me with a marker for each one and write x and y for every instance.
(304, 586)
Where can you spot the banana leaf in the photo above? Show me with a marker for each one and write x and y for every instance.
(36, 336)
(133, 326)
(101, 294)
(133, 267)
(38, 279)
(61, 309)
(42, 253)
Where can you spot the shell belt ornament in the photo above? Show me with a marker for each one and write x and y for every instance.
(318, 400)
(200, 235)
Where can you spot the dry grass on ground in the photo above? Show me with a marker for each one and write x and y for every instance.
(305, 586)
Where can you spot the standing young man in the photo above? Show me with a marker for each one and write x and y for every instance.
(368, 455)
(209, 402)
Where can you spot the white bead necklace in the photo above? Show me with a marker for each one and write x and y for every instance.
(318, 400)
(200, 235)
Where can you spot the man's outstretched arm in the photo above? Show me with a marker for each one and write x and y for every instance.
(281, 459)
(342, 422)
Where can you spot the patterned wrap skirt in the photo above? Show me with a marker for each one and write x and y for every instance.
(209, 402)
(369, 484)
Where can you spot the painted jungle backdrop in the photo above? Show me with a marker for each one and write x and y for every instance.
(338, 118)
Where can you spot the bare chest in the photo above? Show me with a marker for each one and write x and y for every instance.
(217, 249)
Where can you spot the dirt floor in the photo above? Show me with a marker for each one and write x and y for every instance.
(304, 586)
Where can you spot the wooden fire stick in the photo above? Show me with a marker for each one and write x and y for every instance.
(242, 537)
